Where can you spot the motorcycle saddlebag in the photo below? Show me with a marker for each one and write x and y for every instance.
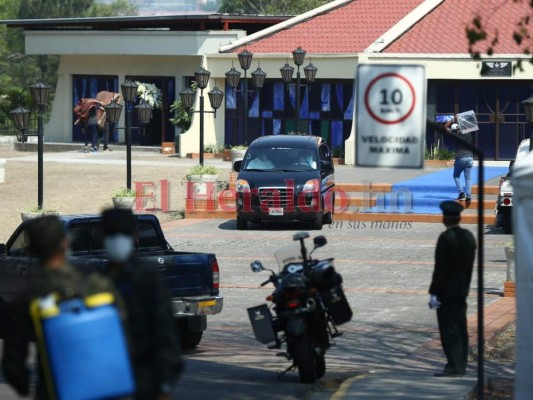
(337, 305)
(261, 320)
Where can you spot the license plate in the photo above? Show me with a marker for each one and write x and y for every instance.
(275, 211)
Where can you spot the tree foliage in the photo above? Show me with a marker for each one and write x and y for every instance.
(17, 70)
(480, 37)
(278, 7)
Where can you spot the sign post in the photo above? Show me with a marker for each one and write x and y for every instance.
(390, 116)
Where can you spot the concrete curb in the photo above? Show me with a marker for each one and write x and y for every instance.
(50, 147)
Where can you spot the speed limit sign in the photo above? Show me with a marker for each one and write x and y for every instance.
(390, 115)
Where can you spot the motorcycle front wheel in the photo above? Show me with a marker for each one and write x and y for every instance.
(304, 358)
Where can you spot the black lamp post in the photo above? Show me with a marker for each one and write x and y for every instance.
(232, 79)
(215, 98)
(144, 113)
(129, 92)
(20, 117)
(528, 108)
(287, 72)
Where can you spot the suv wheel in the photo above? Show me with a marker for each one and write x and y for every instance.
(317, 225)
(241, 224)
(328, 218)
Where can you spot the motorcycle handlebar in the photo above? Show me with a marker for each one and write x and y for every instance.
(266, 282)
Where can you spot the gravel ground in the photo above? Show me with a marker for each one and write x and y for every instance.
(83, 182)
(501, 350)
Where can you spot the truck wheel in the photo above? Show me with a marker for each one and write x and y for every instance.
(241, 224)
(188, 339)
(507, 224)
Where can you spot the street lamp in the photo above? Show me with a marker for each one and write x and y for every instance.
(20, 117)
(144, 113)
(528, 108)
(129, 92)
(232, 79)
(215, 99)
(287, 72)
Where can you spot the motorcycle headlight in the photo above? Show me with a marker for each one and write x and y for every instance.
(311, 185)
(242, 186)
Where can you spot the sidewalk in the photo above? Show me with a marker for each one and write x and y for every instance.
(414, 378)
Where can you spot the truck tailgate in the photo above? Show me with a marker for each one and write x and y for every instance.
(187, 274)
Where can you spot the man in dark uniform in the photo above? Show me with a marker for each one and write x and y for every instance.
(153, 340)
(48, 242)
(454, 262)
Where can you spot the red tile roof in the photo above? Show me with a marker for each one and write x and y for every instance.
(349, 28)
(443, 30)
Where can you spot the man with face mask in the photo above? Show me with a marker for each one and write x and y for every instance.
(153, 341)
(48, 242)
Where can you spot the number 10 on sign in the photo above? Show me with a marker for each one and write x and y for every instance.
(390, 115)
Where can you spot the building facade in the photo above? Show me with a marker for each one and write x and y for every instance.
(337, 37)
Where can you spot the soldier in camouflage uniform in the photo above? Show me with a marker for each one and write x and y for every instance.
(47, 242)
(153, 339)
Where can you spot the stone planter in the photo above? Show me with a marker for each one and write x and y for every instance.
(207, 156)
(439, 163)
(237, 155)
(27, 215)
(509, 284)
(3, 163)
(124, 202)
(201, 192)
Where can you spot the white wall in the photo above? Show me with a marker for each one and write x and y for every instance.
(134, 42)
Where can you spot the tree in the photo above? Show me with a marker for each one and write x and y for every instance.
(482, 37)
(279, 7)
(17, 70)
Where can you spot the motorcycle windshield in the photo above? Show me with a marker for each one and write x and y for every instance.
(290, 254)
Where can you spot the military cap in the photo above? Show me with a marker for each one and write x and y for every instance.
(451, 208)
(118, 220)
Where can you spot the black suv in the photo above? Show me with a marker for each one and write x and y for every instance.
(286, 178)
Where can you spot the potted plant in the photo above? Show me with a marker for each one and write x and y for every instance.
(202, 188)
(337, 155)
(509, 284)
(238, 152)
(217, 150)
(124, 198)
(438, 155)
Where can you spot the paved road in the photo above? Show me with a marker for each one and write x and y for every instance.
(386, 271)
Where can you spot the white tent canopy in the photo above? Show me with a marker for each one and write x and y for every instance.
(523, 232)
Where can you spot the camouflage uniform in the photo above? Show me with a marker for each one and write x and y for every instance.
(153, 339)
(67, 283)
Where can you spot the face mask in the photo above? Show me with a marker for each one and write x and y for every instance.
(118, 247)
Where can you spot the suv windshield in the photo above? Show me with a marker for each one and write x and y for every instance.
(280, 159)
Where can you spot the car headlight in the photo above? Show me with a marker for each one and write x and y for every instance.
(242, 186)
(311, 185)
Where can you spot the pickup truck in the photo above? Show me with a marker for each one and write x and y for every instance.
(504, 203)
(193, 278)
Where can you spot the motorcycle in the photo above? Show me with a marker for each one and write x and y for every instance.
(308, 304)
